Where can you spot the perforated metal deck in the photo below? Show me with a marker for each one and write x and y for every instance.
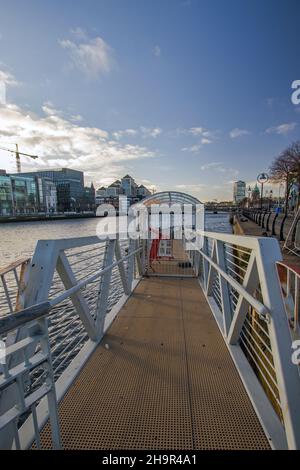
(167, 380)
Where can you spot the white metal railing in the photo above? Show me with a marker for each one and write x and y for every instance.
(76, 278)
(12, 281)
(289, 277)
(239, 277)
(17, 397)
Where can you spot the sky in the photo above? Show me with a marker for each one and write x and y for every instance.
(187, 95)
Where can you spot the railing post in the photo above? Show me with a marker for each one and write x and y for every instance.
(121, 267)
(51, 396)
(274, 224)
(287, 373)
(69, 280)
(130, 264)
(281, 236)
(268, 221)
(250, 283)
(226, 304)
(104, 287)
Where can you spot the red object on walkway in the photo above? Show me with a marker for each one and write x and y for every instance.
(154, 250)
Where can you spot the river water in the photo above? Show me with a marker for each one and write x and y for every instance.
(19, 239)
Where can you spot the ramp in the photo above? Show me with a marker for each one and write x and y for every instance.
(162, 378)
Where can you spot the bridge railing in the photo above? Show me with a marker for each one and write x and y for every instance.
(289, 277)
(82, 281)
(12, 281)
(239, 277)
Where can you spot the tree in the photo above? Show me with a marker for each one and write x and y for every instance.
(283, 170)
(293, 153)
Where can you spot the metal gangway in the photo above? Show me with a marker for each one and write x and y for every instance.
(150, 344)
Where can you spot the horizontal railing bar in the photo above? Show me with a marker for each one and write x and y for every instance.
(236, 265)
(83, 252)
(246, 330)
(13, 321)
(81, 284)
(262, 373)
(259, 335)
(13, 266)
(237, 257)
(258, 306)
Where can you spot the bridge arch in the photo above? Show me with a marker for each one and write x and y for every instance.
(170, 197)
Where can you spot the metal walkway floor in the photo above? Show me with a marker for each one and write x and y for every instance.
(167, 380)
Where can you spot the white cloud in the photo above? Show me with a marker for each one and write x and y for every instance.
(282, 129)
(151, 132)
(205, 141)
(125, 133)
(8, 78)
(208, 166)
(76, 118)
(157, 51)
(192, 148)
(235, 133)
(78, 33)
(219, 167)
(145, 132)
(196, 131)
(59, 142)
(93, 57)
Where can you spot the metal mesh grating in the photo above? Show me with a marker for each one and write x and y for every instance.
(167, 380)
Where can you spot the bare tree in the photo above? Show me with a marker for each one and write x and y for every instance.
(282, 170)
(293, 153)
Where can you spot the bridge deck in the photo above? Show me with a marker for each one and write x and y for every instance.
(165, 381)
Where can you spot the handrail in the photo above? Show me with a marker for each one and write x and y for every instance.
(261, 309)
(238, 276)
(13, 321)
(291, 294)
(85, 282)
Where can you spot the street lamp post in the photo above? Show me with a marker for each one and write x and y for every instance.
(271, 199)
(262, 179)
(249, 196)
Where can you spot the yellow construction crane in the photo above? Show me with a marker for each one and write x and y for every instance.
(17, 154)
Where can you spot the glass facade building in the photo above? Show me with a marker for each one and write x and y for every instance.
(69, 185)
(6, 196)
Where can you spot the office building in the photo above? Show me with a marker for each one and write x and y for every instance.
(239, 191)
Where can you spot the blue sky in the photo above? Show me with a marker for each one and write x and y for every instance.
(182, 94)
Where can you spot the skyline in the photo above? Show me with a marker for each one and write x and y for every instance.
(183, 95)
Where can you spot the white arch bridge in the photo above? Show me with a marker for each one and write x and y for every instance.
(149, 344)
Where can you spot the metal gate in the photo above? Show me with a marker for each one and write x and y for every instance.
(168, 257)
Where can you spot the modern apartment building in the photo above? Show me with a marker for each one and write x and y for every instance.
(69, 186)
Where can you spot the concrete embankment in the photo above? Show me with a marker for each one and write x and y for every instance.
(39, 218)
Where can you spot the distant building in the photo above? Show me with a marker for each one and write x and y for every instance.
(255, 195)
(239, 191)
(69, 186)
(89, 199)
(129, 186)
(142, 191)
(47, 195)
(18, 195)
(114, 190)
(125, 187)
(101, 192)
(6, 196)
